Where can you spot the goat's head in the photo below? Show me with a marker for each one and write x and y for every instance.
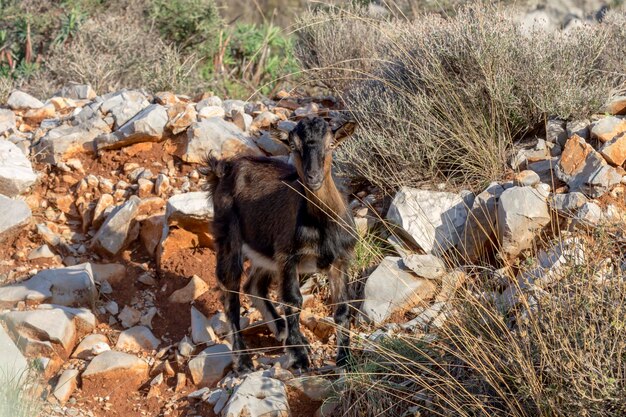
(311, 144)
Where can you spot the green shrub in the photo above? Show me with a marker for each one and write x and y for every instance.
(249, 59)
(186, 23)
(444, 98)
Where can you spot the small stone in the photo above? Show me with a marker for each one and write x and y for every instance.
(161, 185)
(616, 106)
(210, 365)
(129, 316)
(66, 385)
(426, 266)
(522, 213)
(194, 289)
(568, 203)
(258, 396)
(146, 126)
(64, 286)
(136, 339)
(42, 252)
(556, 132)
(92, 345)
(117, 230)
(390, 288)
(589, 215)
(201, 330)
(216, 134)
(526, 178)
(432, 220)
(614, 150)
(16, 171)
(19, 100)
(147, 279)
(585, 170)
(608, 128)
(578, 128)
(15, 215)
(181, 381)
(186, 347)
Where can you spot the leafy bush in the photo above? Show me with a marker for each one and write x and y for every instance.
(186, 23)
(446, 97)
(560, 352)
(250, 58)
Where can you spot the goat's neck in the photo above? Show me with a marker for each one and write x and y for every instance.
(327, 202)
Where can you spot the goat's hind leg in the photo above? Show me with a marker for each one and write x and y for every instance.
(228, 271)
(257, 288)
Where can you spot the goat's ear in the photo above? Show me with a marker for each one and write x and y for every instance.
(280, 136)
(343, 132)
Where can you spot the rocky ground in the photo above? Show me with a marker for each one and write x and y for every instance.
(107, 270)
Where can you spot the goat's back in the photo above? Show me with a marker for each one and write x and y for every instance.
(259, 198)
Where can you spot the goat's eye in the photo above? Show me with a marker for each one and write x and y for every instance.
(292, 146)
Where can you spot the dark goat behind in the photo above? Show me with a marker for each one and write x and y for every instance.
(287, 220)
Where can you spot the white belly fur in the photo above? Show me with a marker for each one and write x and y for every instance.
(307, 266)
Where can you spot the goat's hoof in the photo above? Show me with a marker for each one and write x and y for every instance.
(281, 332)
(243, 364)
(298, 358)
(343, 359)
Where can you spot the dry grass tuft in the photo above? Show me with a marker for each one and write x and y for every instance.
(113, 51)
(19, 395)
(445, 97)
(560, 352)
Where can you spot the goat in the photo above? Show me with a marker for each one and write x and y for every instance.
(286, 220)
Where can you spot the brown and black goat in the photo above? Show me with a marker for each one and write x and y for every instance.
(286, 220)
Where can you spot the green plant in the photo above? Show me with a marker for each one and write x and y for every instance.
(250, 58)
(186, 23)
(70, 24)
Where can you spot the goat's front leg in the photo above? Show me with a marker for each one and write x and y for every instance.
(338, 277)
(296, 344)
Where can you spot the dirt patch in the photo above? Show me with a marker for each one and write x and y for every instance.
(301, 405)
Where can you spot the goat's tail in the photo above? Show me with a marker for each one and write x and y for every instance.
(213, 169)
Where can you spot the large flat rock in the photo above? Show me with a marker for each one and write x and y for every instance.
(64, 142)
(146, 126)
(117, 231)
(217, 135)
(110, 369)
(522, 214)
(258, 396)
(71, 286)
(432, 220)
(53, 326)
